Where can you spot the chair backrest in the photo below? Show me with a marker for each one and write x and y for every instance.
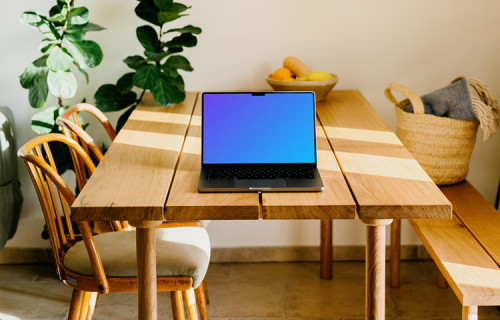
(56, 198)
(72, 127)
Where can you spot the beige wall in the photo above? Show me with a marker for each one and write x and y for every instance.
(423, 44)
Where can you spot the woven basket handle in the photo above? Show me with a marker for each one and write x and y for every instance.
(418, 105)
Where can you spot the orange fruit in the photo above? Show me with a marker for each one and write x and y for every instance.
(283, 74)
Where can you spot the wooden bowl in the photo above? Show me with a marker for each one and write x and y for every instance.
(320, 88)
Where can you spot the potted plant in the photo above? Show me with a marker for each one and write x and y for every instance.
(158, 70)
(64, 50)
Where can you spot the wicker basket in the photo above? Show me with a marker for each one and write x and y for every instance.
(442, 146)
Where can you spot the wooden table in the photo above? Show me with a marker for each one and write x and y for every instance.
(150, 173)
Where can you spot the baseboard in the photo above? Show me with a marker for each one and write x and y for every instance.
(309, 253)
(237, 255)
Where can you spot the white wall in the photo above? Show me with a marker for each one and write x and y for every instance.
(422, 44)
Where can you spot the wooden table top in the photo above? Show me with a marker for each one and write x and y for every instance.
(151, 171)
(385, 179)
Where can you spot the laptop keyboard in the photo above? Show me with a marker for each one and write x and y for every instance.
(259, 173)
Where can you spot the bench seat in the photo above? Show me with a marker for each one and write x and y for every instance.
(466, 248)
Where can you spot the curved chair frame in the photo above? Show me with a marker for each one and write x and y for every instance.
(72, 127)
(41, 166)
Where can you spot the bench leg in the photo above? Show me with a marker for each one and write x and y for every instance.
(395, 256)
(326, 247)
(469, 313)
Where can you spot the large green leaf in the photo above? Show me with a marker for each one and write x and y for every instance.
(165, 93)
(125, 83)
(148, 38)
(156, 56)
(147, 76)
(85, 74)
(92, 27)
(62, 83)
(32, 18)
(59, 59)
(178, 7)
(148, 12)
(75, 36)
(178, 62)
(184, 40)
(39, 91)
(108, 98)
(47, 44)
(48, 30)
(135, 62)
(37, 69)
(166, 16)
(58, 8)
(44, 121)
(163, 5)
(58, 14)
(87, 53)
(186, 29)
(78, 16)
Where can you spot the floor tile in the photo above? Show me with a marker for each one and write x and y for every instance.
(250, 291)
(245, 299)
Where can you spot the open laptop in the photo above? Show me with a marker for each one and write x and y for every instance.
(259, 141)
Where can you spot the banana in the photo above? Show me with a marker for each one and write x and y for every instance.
(316, 76)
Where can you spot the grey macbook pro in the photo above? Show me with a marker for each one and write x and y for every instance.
(259, 141)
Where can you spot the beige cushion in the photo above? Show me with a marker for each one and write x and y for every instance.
(182, 251)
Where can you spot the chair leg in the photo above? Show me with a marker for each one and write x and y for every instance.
(395, 256)
(93, 302)
(177, 305)
(191, 304)
(326, 247)
(205, 290)
(441, 281)
(84, 309)
(470, 313)
(75, 305)
(201, 300)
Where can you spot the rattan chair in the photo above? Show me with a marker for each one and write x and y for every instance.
(71, 124)
(105, 263)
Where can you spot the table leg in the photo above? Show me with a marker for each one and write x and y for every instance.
(146, 268)
(395, 257)
(375, 268)
(326, 249)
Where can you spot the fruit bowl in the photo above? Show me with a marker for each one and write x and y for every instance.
(320, 88)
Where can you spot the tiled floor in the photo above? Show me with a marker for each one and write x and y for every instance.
(269, 291)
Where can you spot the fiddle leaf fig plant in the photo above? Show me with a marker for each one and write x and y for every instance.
(158, 69)
(64, 51)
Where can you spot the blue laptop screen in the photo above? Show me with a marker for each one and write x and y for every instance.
(259, 128)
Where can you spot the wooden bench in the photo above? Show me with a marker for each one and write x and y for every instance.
(466, 249)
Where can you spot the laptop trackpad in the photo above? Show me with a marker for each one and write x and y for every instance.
(260, 183)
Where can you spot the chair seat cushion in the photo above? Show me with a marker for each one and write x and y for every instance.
(181, 252)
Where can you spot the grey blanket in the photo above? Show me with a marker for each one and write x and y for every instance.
(452, 101)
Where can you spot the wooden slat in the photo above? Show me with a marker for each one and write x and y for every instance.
(469, 270)
(147, 146)
(335, 202)
(185, 203)
(385, 179)
(477, 214)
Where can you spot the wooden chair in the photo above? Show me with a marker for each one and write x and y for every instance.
(92, 264)
(72, 127)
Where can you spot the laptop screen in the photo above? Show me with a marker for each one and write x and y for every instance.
(259, 128)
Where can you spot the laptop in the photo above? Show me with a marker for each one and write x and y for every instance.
(259, 141)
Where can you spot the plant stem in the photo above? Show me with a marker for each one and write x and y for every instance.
(60, 102)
